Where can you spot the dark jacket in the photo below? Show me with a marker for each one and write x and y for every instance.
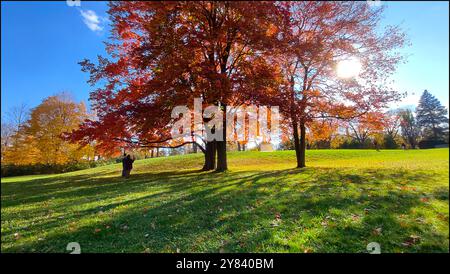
(127, 163)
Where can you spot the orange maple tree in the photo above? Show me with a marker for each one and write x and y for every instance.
(166, 54)
(317, 37)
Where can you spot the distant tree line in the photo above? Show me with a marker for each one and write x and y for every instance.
(33, 141)
(427, 127)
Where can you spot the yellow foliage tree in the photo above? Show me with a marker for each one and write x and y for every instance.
(22, 151)
(40, 139)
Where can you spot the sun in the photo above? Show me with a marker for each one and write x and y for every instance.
(349, 68)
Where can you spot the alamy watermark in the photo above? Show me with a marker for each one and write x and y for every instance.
(74, 247)
(374, 3)
(374, 248)
(73, 3)
(243, 123)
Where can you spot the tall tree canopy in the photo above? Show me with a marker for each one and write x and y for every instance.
(409, 129)
(431, 117)
(162, 55)
(321, 36)
(166, 54)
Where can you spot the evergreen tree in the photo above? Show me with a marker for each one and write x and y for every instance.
(431, 117)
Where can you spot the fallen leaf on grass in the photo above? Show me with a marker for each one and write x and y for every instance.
(277, 220)
(147, 250)
(275, 223)
(420, 220)
(407, 188)
(330, 218)
(377, 231)
(442, 217)
(413, 239)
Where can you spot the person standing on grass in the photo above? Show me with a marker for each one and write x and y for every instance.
(127, 165)
(375, 143)
(124, 160)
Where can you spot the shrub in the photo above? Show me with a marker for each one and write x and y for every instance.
(353, 144)
(19, 170)
(424, 144)
(389, 142)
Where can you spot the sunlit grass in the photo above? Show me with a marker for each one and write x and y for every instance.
(342, 201)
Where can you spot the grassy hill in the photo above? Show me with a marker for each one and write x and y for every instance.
(342, 201)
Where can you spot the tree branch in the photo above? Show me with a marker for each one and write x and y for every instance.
(177, 146)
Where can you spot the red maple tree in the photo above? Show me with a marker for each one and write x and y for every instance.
(166, 54)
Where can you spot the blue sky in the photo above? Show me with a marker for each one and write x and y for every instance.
(42, 43)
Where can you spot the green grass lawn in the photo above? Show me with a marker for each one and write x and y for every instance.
(342, 201)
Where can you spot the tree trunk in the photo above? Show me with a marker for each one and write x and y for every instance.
(157, 152)
(152, 153)
(412, 142)
(222, 146)
(239, 146)
(296, 143)
(210, 150)
(194, 147)
(221, 156)
(435, 133)
(302, 144)
(210, 156)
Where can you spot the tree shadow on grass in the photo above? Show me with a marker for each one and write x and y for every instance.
(319, 210)
(42, 189)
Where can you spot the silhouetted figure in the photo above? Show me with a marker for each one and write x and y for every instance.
(403, 146)
(127, 166)
(375, 143)
(124, 160)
